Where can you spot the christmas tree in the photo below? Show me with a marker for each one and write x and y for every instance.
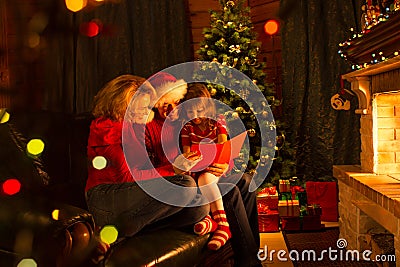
(231, 42)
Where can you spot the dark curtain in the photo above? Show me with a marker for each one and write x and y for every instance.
(322, 136)
(139, 37)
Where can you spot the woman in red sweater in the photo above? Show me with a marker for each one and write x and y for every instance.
(113, 194)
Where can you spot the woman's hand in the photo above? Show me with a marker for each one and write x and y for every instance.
(218, 169)
(184, 162)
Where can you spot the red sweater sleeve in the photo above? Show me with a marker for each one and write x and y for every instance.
(185, 137)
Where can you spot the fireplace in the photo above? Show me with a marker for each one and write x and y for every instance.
(369, 193)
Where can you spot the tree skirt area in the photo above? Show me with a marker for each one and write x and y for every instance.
(307, 242)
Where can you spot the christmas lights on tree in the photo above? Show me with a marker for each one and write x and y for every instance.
(231, 42)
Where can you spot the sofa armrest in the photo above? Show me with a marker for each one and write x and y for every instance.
(51, 234)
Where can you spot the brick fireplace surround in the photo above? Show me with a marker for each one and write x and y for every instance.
(369, 194)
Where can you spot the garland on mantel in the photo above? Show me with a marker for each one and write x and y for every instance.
(373, 16)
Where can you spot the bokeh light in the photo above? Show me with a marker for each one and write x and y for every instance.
(35, 147)
(11, 186)
(99, 162)
(90, 29)
(109, 234)
(5, 118)
(271, 27)
(75, 5)
(38, 22)
(33, 40)
(55, 214)
(27, 263)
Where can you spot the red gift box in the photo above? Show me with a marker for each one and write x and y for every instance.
(325, 194)
(314, 210)
(268, 222)
(268, 197)
(290, 223)
(311, 222)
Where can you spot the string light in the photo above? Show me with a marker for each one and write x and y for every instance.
(374, 59)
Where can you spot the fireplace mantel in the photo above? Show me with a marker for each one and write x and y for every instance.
(361, 81)
(369, 194)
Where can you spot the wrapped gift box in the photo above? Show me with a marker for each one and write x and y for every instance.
(311, 222)
(326, 195)
(290, 223)
(288, 208)
(314, 209)
(268, 197)
(268, 222)
(284, 186)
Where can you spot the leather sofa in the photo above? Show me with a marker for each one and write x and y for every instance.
(54, 183)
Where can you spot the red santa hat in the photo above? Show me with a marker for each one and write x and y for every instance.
(168, 88)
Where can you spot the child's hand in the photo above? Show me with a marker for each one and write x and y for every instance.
(218, 169)
(192, 155)
(185, 162)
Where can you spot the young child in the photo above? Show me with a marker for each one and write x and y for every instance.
(198, 113)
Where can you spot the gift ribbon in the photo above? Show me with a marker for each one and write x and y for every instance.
(296, 189)
(292, 205)
(268, 190)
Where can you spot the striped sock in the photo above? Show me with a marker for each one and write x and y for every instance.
(205, 226)
(222, 234)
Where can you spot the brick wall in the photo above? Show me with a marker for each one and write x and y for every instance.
(386, 132)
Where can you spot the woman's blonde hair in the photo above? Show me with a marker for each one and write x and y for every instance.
(112, 100)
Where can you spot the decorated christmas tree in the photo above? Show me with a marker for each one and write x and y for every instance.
(231, 42)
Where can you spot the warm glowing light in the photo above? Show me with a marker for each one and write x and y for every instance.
(11, 186)
(38, 22)
(90, 29)
(271, 27)
(99, 162)
(33, 40)
(109, 234)
(5, 118)
(55, 214)
(35, 147)
(27, 263)
(75, 5)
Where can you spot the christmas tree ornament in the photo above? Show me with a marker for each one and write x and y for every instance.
(244, 93)
(230, 4)
(235, 115)
(251, 132)
(240, 109)
(213, 92)
(264, 114)
(280, 140)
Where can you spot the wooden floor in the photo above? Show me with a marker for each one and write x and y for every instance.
(275, 241)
